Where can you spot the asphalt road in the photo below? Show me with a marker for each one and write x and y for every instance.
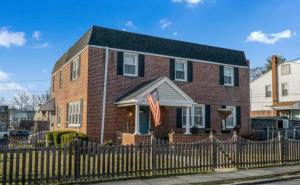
(285, 182)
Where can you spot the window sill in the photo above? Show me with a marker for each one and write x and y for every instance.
(74, 125)
(228, 85)
(129, 75)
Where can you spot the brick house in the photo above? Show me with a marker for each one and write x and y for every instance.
(99, 86)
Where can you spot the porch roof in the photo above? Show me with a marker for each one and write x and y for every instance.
(286, 105)
(48, 106)
(169, 94)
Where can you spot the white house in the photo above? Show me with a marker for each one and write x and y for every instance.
(277, 93)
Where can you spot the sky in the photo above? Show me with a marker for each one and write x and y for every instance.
(34, 34)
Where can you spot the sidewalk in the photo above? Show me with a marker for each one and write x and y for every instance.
(214, 178)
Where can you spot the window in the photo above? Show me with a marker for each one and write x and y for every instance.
(74, 113)
(285, 69)
(53, 83)
(60, 78)
(75, 68)
(284, 89)
(199, 119)
(180, 70)
(228, 76)
(58, 116)
(130, 67)
(199, 116)
(268, 91)
(231, 119)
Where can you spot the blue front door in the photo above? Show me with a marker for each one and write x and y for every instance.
(144, 119)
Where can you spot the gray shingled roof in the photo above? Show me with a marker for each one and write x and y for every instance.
(100, 36)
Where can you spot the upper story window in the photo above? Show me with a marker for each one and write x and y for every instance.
(75, 68)
(130, 66)
(285, 69)
(228, 76)
(53, 83)
(60, 78)
(268, 91)
(231, 119)
(180, 70)
(74, 113)
(284, 89)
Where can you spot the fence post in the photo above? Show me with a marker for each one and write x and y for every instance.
(213, 151)
(153, 153)
(76, 158)
(236, 146)
(280, 147)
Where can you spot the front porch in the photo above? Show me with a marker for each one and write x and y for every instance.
(180, 115)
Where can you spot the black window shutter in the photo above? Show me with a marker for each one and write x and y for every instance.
(190, 71)
(207, 116)
(236, 77)
(141, 65)
(223, 106)
(221, 75)
(179, 117)
(120, 62)
(238, 115)
(172, 69)
(71, 71)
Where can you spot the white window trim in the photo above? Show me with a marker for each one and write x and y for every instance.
(58, 116)
(232, 76)
(135, 61)
(267, 91)
(80, 113)
(234, 117)
(185, 70)
(287, 88)
(289, 69)
(192, 124)
(78, 65)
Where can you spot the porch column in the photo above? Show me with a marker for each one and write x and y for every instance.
(193, 115)
(187, 126)
(137, 119)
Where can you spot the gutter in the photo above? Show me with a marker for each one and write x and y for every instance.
(104, 96)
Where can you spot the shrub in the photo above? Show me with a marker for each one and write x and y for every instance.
(54, 137)
(70, 137)
(57, 136)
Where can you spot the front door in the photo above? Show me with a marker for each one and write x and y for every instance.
(144, 119)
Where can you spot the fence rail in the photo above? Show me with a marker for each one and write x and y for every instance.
(88, 162)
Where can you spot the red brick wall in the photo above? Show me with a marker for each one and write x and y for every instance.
(204, 89)
(71, 91)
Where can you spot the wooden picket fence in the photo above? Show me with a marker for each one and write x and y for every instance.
(89, 162)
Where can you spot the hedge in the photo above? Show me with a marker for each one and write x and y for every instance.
(70, 137)
(54, 137)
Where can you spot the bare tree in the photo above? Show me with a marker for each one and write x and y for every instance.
(2, 101)
(259, 71)
(22, 101)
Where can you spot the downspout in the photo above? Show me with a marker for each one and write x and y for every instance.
(104, 95)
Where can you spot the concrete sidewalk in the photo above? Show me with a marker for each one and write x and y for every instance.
(214, 178)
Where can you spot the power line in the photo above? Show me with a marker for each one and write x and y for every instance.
(24, 81)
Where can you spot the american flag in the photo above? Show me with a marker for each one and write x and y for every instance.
(154, 105)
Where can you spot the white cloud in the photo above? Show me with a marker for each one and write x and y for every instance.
(36, 35)
(129, 24)
(164, 23)
(189, 3)
(44, 70)
(4, 75)
(9, 38)
(41, 46)
(271, 38)
(175, 33)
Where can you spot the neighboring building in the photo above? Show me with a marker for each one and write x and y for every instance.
(4, 118)
(277, 93)
(17, 116)
(99, 86)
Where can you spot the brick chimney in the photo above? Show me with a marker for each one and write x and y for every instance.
(275, 94)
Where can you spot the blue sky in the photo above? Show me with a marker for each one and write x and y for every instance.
(34, 34)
